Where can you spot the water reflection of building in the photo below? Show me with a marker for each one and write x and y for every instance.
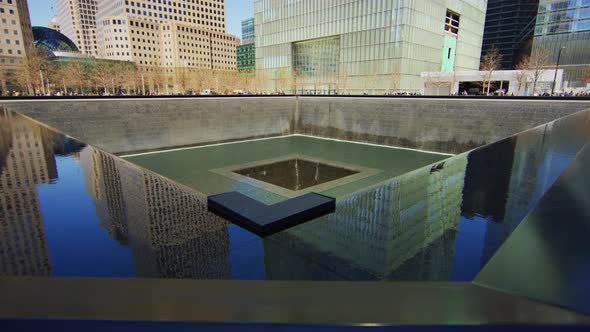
(26, 160)
(505, 180)
(103, 183)
(486, 191)
(169, 230)
(403, 229)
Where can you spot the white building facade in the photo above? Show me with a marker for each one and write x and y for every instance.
(508, 82)
(77, 21)
(364, 46)
(166, 34)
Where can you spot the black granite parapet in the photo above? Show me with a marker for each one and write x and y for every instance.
(264, 220)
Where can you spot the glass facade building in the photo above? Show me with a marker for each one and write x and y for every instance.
(53, 41)
(509, 28)
(246, 56)
(355, 46)
(248, 31)
(246, 53)
(565, 23)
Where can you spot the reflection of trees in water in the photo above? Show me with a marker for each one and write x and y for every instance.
(168, 229)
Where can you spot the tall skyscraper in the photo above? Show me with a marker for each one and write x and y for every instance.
(77, 21)
(364, 46)
(177, 37)
(565, 24)
(16, 37)
(509, 28)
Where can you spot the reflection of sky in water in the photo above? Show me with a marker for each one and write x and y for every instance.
(78, 246)
(246, 254)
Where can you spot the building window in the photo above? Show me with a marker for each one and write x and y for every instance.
(452, 22)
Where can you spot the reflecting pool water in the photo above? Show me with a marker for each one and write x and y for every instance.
(69, 209)
(296, 174)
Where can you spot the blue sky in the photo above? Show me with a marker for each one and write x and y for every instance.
(235, 10)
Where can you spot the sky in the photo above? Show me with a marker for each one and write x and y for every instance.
(235, 12)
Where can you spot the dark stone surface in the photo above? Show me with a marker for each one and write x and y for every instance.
(450, 125)
(263, 219)
(137, 125)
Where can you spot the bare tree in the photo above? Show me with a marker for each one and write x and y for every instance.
(394, 81)
(431, 80)
(295, 80)
(538, 63)
(76, 75)
(523, 75)
(102, 73)
(490, 62)
(157, 77)
(585, 75)
(284, 79)
(181, 78)
(4, 77)
(31, 70)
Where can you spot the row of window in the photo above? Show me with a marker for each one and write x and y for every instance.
(172, 10)
(10, 11)
(5, 21)
(11, 51)
(177, 18)
(8, 42)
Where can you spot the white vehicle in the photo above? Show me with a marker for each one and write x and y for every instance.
(206, 92)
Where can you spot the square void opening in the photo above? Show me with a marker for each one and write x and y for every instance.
(296, 173)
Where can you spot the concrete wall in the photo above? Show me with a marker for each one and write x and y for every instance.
(443, 125)
(133, 125)
(450, 125)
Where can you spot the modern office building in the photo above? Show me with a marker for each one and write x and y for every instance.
(16, 37)
(177, 37)
(509, 27)
(248, 31)
(565, 25)
(246, 56)
(77, 20)
(246, 53)
(364, 46)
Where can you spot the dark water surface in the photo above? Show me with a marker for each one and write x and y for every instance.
(68, 209)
